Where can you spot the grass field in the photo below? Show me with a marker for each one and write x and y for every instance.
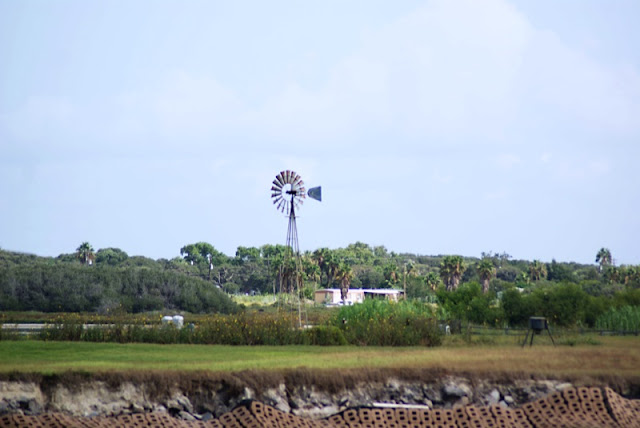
(612, 356)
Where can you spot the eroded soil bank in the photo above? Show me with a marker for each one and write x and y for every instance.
(312, 394)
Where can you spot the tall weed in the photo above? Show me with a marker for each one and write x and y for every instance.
(382, 323)
(626, 318)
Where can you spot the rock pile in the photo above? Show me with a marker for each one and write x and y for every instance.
(93, 398)
(572, 407)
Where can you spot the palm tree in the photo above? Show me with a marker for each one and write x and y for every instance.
(409, 269)
(390, 271)
(632, 277)
(85, 253)
(486, 271)
(603, 258)
(626, 273)
(344, 274)
(451, 270)
(537, 271)
(332, 267)
(289, 275)
(311, 269)
(612, 274)
(323, 256)
(432, 280)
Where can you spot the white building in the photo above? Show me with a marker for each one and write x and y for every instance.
(331, 296)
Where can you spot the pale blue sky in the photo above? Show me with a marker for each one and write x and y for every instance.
(434, 127)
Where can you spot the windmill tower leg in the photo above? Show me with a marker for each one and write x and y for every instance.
(294, 281)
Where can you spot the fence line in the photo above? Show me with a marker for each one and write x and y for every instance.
(521, 331)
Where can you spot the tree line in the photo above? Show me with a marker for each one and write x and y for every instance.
(114, 284)
(258, 270)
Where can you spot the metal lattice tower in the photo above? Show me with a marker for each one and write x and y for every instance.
(288, 193)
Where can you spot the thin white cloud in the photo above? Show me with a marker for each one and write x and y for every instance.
(449, 73)
(460, 71)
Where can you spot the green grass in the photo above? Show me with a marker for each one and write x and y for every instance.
(614, 356)
(258, 301)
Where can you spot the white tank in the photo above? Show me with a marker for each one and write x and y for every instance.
(178, 321)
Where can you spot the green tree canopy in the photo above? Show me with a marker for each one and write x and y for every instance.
(111, 256)
(247, 254)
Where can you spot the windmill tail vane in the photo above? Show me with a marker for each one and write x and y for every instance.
(315, 193)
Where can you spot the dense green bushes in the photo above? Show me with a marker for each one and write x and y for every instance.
(380, 323)
(67, 287)
(469, 303)
(237, 329)
(626, 318)
(372, 323)
(564, 305)
(326, 336)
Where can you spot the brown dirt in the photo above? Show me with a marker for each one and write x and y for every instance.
(329, 380)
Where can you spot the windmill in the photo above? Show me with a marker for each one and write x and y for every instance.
(288, 194)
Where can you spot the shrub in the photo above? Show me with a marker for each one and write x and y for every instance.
(517, 308)
(382, 323)
(626, 318)
(326, 336)
(562, 305)
(393, 325)
(469, 303)
(628, 297)
(239, 329)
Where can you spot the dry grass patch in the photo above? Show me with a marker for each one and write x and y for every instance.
(615, 358)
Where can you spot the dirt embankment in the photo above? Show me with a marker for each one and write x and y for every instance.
(311, 394)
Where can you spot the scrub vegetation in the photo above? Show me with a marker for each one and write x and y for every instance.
(130, 294)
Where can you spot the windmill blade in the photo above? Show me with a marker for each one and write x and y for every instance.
(280, 178)
(276, 189)
(276, 183)
(315, 193)
(297, 190)
(287, 177)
